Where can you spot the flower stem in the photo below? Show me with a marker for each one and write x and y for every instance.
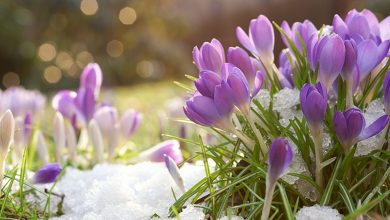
(270, 187)
(2, 167)
(349, 95)
(260, 138)
(247, 141)
(318, 137)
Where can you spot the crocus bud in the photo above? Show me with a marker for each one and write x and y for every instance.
(92, 77)
(42, 148)
(71, 142)
(210, 56)
(350, 127)
(286, 68)
(130, 122)
(207, 82)
(59, 136)
(19, 141)
(260, 40)
(174, 171)
(216, 112)
(27, 127)
(7, 130)
(106, 117)
(170, 148)
(95, 136)
(46, 174)
(314, 100)
(279, 158)
(329, 52)
(386, 93)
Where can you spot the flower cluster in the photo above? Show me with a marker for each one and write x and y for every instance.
(339, 69)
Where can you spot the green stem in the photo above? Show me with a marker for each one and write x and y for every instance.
(270, 187)
(318, 137)
(260, 138)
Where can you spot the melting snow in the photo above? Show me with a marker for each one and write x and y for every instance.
(317, 212)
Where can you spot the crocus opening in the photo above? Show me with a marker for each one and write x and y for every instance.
(170, 148)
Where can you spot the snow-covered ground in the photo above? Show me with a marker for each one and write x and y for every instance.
(136, 192)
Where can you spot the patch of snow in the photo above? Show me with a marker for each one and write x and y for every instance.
(374, 110)
(263, 97)
(317, 212)
(113, 191)
(286, 103)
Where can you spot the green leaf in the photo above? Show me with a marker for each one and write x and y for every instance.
(286, 203)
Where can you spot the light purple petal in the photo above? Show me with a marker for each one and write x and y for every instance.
(279, 158)
(47, 174)
(373, 129)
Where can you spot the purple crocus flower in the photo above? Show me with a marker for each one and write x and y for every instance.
(130, 122)
(27, 127)
(169, 148)
(279, 158)
(63, 102)
(92, 77)
(369, 55)
(212, 112)
(386, 93)
(329, 52)
(210, 56)
(260, 40)
(47, 174)
(207, 82)
(314, 100)
(350, 127)
(298, 32)
(250, 67)
(237, 87)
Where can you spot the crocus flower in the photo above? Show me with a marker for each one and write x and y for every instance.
(42, 148)
(92, 77)
(237, 87)
(357, 25)
(298, 32)
(314, 100)
(106, 117)
(207, 82)
(7, 130)
(22, 101)
(210, 56)
(96, 139)
(369, 55)
(63, 102)
(59, 136)
(329, 52)
(212, 112)
(174, 171)
(46, 174)
(350, 127)
(130, 122)
(169, 148)
(279, 158)
(260, 40)
(250, 67)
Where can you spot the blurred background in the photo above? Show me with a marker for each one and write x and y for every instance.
(45, 44)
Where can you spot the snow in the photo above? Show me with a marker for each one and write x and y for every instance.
(125, 192)
(318, 212)
(286, 103)
(374, 110)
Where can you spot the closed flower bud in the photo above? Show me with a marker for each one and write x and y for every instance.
(7, 130)
(314, 100)
(46, 174)
(42, 147)
(210, 56)
(130, 122)
(174, 171)
(279, 158)
(71, 142)
(59, 136)
(92, 77)
(95, 136)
